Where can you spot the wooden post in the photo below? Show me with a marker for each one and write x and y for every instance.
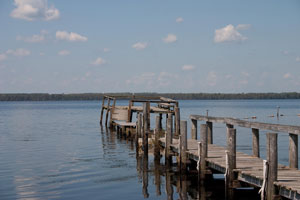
(203, 136)
(255, 142)
(168, 136)
(231, 162)
(102, 109)
(183, 145)
(148, 113)
(177, 121)
(138, 129)
(145, 129)
(112, 111)
(272, 158)
(107, 111)
(160, 124)
(156, 143)
(129, 118)
(170, 121)
(293, 151)
(209, 132)
(194, 129)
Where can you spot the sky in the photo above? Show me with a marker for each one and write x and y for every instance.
(232, 46)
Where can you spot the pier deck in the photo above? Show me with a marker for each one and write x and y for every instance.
(248, 169)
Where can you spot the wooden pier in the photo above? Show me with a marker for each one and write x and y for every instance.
(239, 169)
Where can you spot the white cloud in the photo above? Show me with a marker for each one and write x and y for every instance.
(64, 53)
(33, 10)
(19, 52)
(3, 56)
(188, 67)
(211, 78)
(106, 49)
(42, 54)
(34, 38)
(170, 38)
(140, 45)
(98, 61)
(245, 74)
(298, 59)
(72, 37)
(179, 20)
(287, 75)
(228, 34)
(285, 52)
(243, 26)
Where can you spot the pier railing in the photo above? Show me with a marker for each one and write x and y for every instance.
(293, 132)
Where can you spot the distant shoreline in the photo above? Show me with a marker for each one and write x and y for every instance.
(177, 96)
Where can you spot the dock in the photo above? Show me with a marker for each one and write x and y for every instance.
(198, 152)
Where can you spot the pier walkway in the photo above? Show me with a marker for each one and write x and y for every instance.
(239, 169)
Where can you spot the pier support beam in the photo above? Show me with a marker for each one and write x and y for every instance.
(139, 126)
(203, 152)
(255, 142)
(156, 140)
(194, 129)
(209, 132)
(145, 127)
(160, 123)
(107, 111)
(102, 109)
(230, 163)
(272, 158)
(293, 151)
(168, 137)
(177, 121)
(183, 145)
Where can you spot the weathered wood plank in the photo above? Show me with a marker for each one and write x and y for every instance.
(249, 124)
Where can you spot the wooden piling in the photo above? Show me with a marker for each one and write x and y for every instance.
(194, 129)
(231, 163)
(107, 111)
(129, 118)
(203, 136)
(111, 113)
(138, 129)
(145, 128)
(255, 142)
(177, 121)
(102, 109)
(160, 123)
(156, 141)
(183, 145)
(209, 132)
(293, 151)
(272, 158)
(168, 136)
(170, 119)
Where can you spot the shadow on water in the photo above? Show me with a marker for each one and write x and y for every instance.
(171, 183)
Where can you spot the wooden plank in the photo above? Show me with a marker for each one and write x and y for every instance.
(249, 124)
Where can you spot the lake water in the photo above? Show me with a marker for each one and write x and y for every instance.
(57, 150)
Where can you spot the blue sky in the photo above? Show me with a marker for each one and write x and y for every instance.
(77, 46)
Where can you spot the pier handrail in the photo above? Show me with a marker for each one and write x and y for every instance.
(249, 124)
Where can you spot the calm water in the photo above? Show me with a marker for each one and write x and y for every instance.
(56, 150)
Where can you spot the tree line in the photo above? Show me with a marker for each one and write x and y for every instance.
(176, 96)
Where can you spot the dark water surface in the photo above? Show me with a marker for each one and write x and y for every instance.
(57, 150)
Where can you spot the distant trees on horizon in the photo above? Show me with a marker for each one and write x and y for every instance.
(177, 96)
